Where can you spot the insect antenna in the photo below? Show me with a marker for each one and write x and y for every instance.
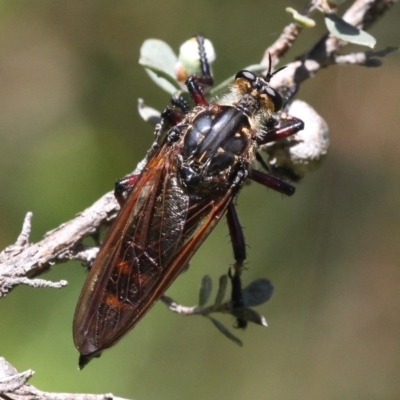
(270, 74)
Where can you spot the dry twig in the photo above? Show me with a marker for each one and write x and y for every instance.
(14, 386)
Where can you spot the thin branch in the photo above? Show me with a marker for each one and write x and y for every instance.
(287, 38)
(19, 262)
(22, 261)
(367, 58)
(194, 310)
(14, 386)
(362, 14)
(282, 45)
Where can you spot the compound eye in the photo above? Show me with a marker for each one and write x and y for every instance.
(243, 74)
(275, 98)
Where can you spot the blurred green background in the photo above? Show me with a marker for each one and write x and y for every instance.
(69, 128)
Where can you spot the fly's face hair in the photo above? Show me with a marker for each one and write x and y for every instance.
(253, 95)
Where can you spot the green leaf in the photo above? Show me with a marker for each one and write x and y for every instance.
(223, 284)
(300, 19)
(149, 114)
(205, 290)
(159, 60)
(225, 331)
(349, 33)
(165, 82)
(257, 292)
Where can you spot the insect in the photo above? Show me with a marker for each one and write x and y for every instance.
(187, 185)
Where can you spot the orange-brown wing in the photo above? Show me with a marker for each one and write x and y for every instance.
(157, 231)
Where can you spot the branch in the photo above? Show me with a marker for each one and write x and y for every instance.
(256, 293)
(14, 386)
(22, 261)
(362, 14)
(368, 58)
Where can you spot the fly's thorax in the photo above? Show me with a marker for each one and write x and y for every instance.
(258, 109)
(217, 141)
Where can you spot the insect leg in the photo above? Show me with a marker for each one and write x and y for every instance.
(266, 166)
(179, 102)
(287, 127)
(272, 182)
(124, 185)
(280, 171)
(239, 251)
(195, 83)
(171, 116)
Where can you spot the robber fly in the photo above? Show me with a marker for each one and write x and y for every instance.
(187, 185)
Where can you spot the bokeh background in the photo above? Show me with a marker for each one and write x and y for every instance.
(69, 128)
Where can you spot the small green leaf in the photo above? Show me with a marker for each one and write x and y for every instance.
(205, 290)
(159, 60)
(349, 33)
(250, 315)
(225, 331)
(257, 292)
(300, 19)
(159, 55)
(149, 114)
(223, 284)
(165, 82)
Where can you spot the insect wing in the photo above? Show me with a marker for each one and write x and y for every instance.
(157, 231)
(126, 267)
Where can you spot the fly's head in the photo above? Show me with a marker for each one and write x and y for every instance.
(256, 96)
